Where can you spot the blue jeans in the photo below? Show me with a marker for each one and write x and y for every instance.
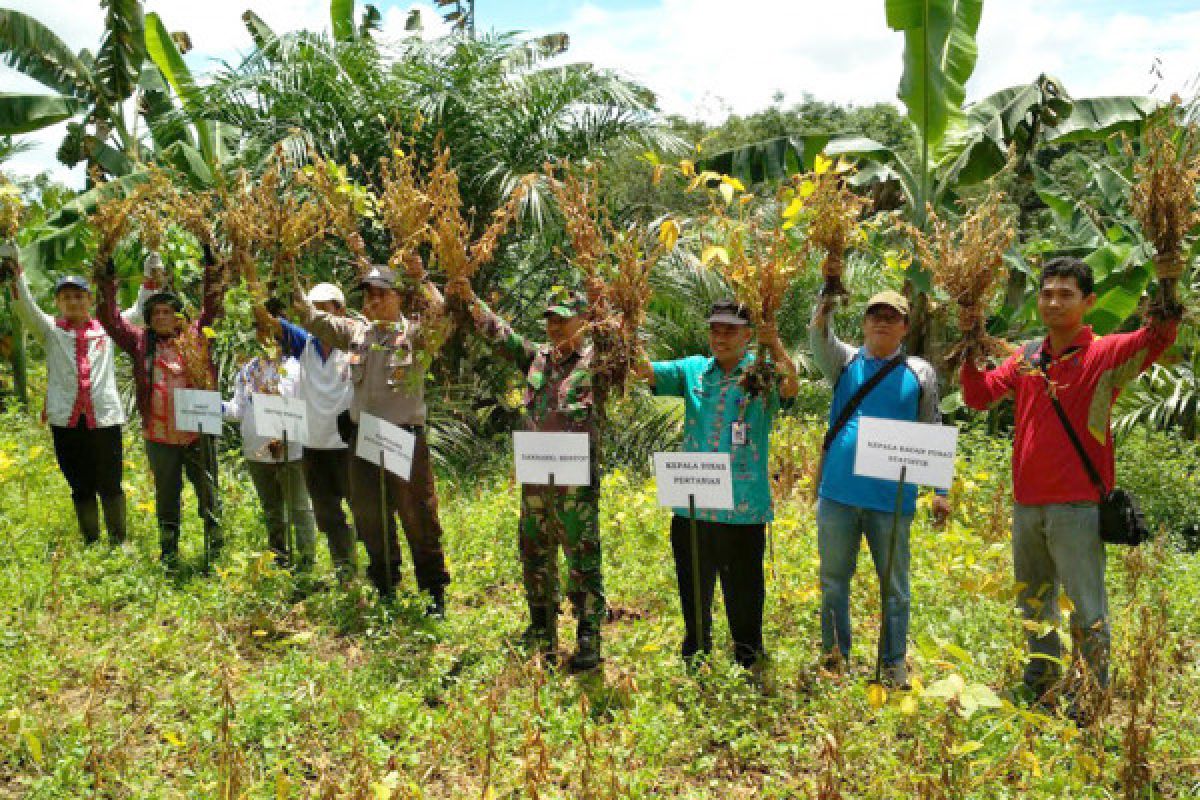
(840, 528)
(1055, 546)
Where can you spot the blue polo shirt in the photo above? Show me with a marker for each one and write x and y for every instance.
(713, 401)
(899, 396)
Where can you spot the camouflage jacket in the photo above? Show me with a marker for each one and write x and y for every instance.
(560, 394)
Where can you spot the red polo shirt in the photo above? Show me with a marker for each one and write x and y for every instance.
(1086, 377)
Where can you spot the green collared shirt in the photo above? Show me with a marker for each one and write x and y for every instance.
(713, 402)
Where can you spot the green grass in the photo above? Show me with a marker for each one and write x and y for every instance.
(117, 682)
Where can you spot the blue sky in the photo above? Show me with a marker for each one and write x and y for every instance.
(709, 58)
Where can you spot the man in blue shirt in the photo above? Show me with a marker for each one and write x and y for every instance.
(851, 506)
(721, 417)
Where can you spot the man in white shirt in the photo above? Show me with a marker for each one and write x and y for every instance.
(83, 406)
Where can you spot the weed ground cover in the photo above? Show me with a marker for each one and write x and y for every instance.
(117, 682)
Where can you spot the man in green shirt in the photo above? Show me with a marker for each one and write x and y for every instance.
(721, 417)
(563, 394)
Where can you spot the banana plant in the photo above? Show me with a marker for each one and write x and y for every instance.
(89, 92)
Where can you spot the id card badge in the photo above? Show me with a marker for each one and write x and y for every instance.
(737, 433)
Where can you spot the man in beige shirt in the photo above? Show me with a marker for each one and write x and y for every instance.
(387, 367)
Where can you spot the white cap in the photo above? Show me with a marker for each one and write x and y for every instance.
(326, 292)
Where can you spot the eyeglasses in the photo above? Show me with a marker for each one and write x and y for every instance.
(886, 317)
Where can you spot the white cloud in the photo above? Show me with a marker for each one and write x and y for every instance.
(705, 58)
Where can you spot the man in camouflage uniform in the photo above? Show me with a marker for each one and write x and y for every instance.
(561, 395)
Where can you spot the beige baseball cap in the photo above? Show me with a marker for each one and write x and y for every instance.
(891, 299)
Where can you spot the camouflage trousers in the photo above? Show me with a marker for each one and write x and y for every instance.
(570, 518)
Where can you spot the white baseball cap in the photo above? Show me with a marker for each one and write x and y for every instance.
(326, 292)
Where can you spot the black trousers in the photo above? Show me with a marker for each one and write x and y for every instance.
(735, 553)
(327, 475)
(90, 460)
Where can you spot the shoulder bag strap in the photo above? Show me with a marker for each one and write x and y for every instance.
(1093, 474)
(856, 400)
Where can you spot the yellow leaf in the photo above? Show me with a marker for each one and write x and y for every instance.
(965, 748)
(282, 786)
(34, 744)
(822, 164)
(657, 175)
(651, 647)
(734, 182)
(876, 695)
(807, 188)
(36, 452)
(172, 739)
(668, 233)
(908, 704)
(1065, 605)
(714, 251)
(208, 332)
(687, 168)
(746, 198)
(793, 208)
(260, 633)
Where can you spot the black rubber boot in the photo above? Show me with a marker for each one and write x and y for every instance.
(536, 631)
(114, 517)
(88, 515)
(437, 603)
(541, 637)
(168, 543)
(587, 648)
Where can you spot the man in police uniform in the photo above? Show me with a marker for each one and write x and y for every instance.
(388, 366)
(562, 394)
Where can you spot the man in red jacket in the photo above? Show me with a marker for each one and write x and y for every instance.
(1056, 537)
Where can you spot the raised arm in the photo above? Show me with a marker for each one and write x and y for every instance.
(984, 388)
(124, 333)
(789, 383)
(831, 354)
(27, 308)
(212, 306)
(1128, 354)
(334, 332)
(494, 329)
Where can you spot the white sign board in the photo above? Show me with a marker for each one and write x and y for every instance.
(274, 414)
(198, 411)
(707, 477)
(886, 445)
(397, 445)
(563, 455)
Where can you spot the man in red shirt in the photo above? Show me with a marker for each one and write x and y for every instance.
(1056, 537)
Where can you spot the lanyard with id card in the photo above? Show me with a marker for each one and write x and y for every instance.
(738, 432)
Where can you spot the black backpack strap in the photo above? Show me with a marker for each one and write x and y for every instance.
(854, 402)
